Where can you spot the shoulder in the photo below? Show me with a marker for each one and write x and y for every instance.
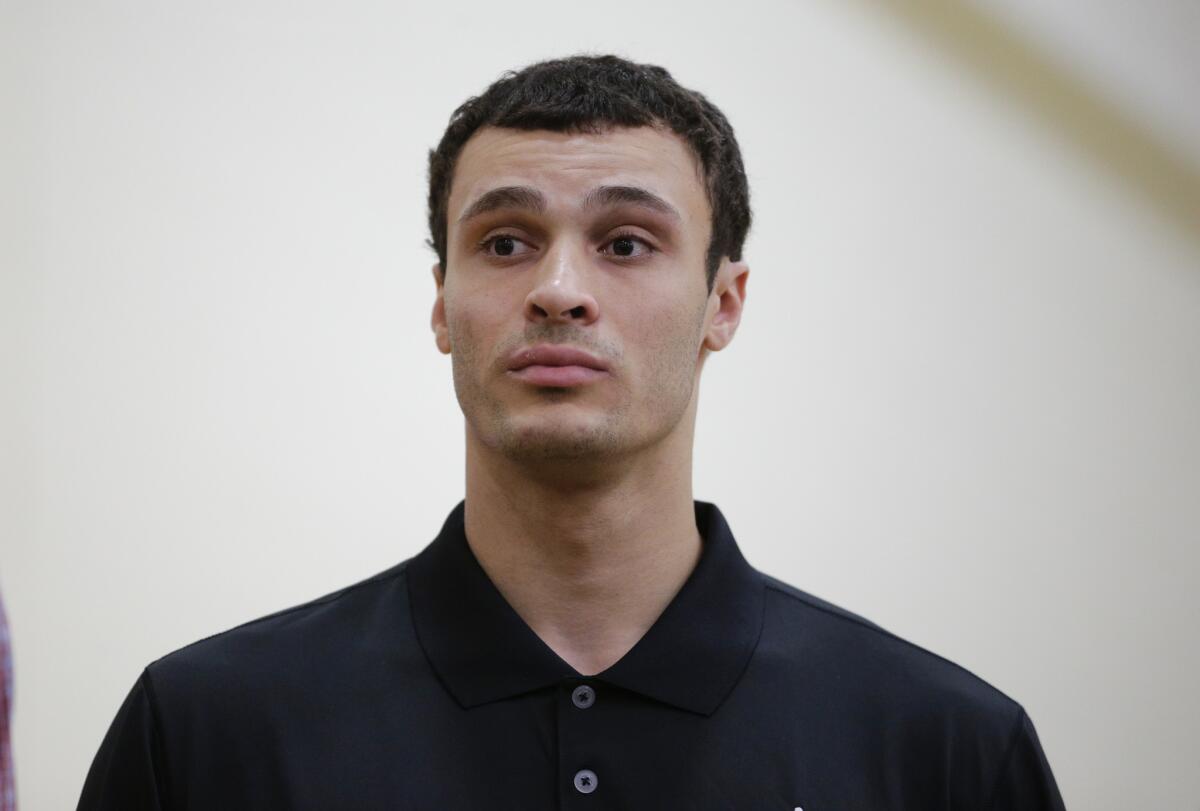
(891, 676)
(894, 702)
(294, 644)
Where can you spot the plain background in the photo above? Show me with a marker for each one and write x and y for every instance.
(963, 400)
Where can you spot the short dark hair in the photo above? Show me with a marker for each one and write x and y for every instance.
(592, 94)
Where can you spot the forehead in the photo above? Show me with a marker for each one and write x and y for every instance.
(566, 166)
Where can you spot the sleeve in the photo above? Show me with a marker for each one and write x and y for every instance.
(1026, 782)
(128, 772)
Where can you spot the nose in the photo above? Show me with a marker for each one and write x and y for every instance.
(560, 290)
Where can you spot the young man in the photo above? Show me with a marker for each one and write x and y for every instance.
(581, 633)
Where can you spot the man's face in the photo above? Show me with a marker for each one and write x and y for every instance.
(590, 242)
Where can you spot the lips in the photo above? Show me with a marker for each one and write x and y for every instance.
(549, 365)
(551, 355)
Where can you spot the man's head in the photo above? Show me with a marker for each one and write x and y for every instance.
(589, 204)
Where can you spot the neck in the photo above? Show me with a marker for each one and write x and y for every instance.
(588, 560)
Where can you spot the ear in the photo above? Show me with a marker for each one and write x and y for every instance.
(441, 333)
(725, 304)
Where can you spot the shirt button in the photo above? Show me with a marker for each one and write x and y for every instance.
(585, 781)
(583, 696)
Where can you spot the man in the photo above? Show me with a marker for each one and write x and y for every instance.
(581, 633)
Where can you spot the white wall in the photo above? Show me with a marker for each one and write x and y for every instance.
(962, 402)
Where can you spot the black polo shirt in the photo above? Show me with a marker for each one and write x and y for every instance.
(421, 688)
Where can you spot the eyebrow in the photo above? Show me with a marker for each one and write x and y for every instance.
(530, 199)
(603, 196)
(525, 197)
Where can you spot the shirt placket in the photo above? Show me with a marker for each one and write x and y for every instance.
(584, 769)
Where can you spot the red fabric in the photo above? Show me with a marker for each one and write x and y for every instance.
(8, 791)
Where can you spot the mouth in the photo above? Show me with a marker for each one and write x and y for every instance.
(564, 376)
(556, 365)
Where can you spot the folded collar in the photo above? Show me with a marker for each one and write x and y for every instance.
(691, 657)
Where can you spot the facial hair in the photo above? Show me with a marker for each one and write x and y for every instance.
(648, 409)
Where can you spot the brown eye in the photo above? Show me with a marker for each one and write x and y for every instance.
(505, 246)
(628, 246)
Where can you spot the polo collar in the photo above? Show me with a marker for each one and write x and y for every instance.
(690, 658)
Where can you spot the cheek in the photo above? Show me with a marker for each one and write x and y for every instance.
(459, 328)
(475, 325)
(462, 307)
(671, 339)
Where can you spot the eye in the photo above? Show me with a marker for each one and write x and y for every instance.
(629, 246)
(504, 245)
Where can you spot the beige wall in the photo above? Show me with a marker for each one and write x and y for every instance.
(962, 403)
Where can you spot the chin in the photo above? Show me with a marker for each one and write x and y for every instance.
(543, 444)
